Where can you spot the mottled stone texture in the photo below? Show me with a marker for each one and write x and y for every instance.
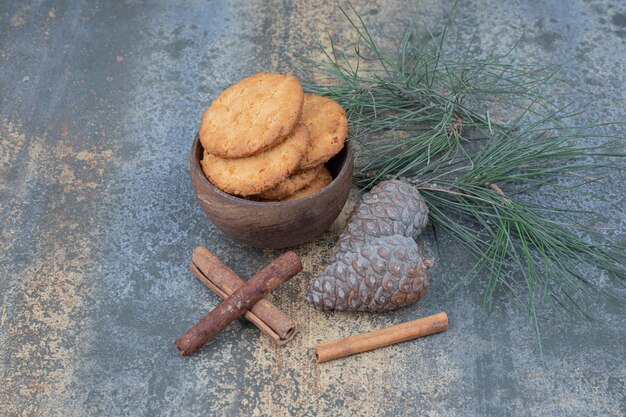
(99, 103)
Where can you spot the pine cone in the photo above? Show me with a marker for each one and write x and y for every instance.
(390, 208)
(385, 273)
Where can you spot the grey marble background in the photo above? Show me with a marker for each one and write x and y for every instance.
(99, 102)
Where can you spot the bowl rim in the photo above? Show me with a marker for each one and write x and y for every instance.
(343, 172)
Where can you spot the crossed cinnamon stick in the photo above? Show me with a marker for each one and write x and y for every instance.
(241, 298)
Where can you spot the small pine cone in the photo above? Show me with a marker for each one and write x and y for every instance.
(390, 208)
(385, 273)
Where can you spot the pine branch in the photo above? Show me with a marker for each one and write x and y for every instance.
(421, 115)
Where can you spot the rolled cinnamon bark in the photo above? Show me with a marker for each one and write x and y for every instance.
(364, 342)
(241, 300)
(223, 281)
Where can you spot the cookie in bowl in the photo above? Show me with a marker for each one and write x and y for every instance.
(272, 178)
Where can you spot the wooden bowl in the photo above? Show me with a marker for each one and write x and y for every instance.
(274, 224)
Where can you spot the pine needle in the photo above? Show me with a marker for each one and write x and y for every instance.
(422, 115)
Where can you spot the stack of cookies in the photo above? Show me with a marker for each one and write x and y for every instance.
(264, 139)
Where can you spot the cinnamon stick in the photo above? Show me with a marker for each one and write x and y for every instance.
(364, 342)
(223, 281)
(241, 300)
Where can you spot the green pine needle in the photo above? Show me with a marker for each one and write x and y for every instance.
(421, 115)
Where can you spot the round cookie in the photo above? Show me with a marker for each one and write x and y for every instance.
(328, 127)
(257, 173)
(252, 115)
(322, 180)
(291, 184)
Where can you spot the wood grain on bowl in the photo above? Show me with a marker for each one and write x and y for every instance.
(274, 224)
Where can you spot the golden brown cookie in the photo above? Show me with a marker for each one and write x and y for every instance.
(251, 116)
(322, 180)
(291, 184)
(328, 127)
(257, 173)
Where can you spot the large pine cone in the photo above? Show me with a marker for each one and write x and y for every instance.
(390, 208)
(383, 274)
